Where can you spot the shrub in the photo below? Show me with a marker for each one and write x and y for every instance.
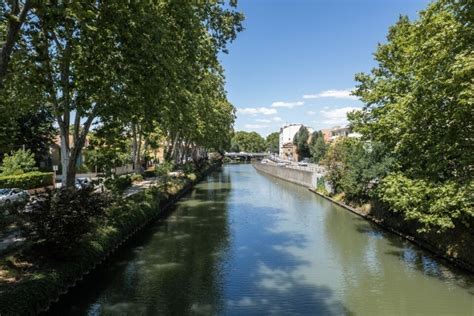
(118, 185)
(136, 178)
(436, 206)
(27, 181)
(321, 186)
(57, 220)
(18, 162)
(164, 168)
(188, 167)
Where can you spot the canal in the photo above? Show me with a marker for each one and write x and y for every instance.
(244, 243)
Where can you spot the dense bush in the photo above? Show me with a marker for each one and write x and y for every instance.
(26, 181)
(119, 184)
(57, 220)
(18, 162)
(355, 167)
(435, 206)
(164, 168)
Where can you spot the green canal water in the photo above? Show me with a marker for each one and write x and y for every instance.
(243, 243)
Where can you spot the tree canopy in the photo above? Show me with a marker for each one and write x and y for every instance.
(247, 142)
(273, 142)
(301, 139)
(419, 105)
(140, 64)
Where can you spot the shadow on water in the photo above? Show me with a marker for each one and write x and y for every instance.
(266, 277)
(215, 254)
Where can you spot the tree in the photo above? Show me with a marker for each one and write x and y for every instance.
(141, 63)
(32, 130)
(356, 167)
(317, 147)
(419, 100)
(108, 148)
(301, 141)
(419, 104)
(273, 142)
(247, 142)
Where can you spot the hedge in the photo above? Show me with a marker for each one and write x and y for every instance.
(30, 180)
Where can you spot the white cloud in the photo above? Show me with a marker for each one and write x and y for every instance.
(337, 94)
(269, 120)
(311, 112)
(336, 116)
(255, 111)
(255, 126)
(289, 105)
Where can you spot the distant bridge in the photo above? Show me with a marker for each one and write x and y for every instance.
(245, 156)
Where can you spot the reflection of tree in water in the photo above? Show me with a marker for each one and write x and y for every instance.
(243, 243)
(171, 268)
(181, 266)
(381, 267)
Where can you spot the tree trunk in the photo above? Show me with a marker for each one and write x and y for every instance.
(64, 137)
(134, 145)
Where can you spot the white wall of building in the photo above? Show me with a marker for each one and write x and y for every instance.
(287, 133)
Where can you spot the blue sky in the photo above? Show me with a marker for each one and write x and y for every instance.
(296, 59)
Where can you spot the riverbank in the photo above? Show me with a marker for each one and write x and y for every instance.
(30, 283)
(454, 246)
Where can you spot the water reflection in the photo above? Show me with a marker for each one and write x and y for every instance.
(245, 243)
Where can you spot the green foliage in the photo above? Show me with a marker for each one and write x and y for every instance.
(136, 178)
(247, 142)
(301, 141)
(18, 162)
(419, 105)
(355, 167)
(32, 128)
(164, 168)
(321, 186)
(83, 169)
(108, 149)
(317, 147)
(419, 100)
(273, 142)
(118, 184)
(27, 181)
(435, 206)
(58, 220)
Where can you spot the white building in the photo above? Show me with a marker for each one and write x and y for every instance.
(287, 133)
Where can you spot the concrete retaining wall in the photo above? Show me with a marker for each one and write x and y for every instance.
(301, 177)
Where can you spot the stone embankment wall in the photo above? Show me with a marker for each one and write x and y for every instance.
(302, 177)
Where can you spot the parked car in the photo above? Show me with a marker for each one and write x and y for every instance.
(9, 196)
(83, 183)
(304, 162)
